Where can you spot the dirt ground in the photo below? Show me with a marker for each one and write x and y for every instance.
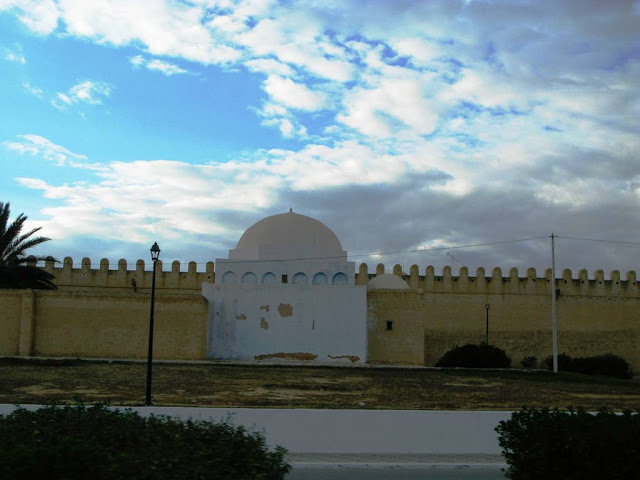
(294, 386)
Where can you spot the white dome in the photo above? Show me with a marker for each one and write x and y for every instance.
(288, 236)
(387, 281)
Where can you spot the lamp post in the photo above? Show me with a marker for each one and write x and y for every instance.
(155, 253)
(486, 336)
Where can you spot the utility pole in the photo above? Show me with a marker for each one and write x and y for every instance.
(554, 309)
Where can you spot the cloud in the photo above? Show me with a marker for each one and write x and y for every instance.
(294, 95)
(167, 68)
(39, 16)
(36, 145)
(87, 92)
(408, 124)
(171, 29)
(16, 57)
(33, 90)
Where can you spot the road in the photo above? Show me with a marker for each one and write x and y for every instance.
(427, 473)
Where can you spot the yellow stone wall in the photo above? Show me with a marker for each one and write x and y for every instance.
(103, 312)
(101, 324)
(10, 315)
(116, 325)
(404, 343)
(595, 316)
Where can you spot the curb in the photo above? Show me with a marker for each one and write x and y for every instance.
(396, 466)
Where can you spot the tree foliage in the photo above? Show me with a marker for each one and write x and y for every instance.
(573, 444)
(16, 268)
(99, 443)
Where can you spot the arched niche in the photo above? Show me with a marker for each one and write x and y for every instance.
(339, 279)
(229, 277)
(269, 278)
(249, 278)
(300, 279)
(320, 279)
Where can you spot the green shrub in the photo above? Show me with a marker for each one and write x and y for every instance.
(609, 365)
(475, 356)
(568, 445)
(564, 362)
(78, 442)
(529, 362)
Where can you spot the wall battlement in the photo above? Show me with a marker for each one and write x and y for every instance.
(68, 277)
(104, 276)
(513, 284)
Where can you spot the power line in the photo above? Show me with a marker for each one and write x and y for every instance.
(379, 254)
(423, 250)
(597, 240)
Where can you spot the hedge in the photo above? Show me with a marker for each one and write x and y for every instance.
(475, 356)
(574, 444)
(97, 443)
(609, 365)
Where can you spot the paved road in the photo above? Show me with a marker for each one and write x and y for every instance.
(427, 473)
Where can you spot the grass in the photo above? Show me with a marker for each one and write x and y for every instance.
(284, 386)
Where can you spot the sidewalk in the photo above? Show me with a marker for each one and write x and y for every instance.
(406, 461)
(364, 438)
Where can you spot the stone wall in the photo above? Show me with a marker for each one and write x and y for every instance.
(104, 312)
(101, 324)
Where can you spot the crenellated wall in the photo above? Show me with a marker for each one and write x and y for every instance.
(102, 310)
(513, 284)
(103, 276)
(86, 276)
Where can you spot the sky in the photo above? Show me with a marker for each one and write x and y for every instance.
(441, 133)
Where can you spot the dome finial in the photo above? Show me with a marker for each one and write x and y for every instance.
(290, 209)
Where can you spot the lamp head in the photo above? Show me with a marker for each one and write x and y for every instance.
(487, 306)
(155, 251)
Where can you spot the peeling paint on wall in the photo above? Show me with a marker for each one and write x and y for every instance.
(287, 356)
(352, 358)
(264, 324)
(285, 310)
(242, 316)
(266, 308)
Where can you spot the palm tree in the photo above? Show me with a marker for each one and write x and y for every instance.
(16, 269)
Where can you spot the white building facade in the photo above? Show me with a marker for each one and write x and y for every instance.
(287, 291)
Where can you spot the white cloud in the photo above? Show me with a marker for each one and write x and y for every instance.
(294, 95)
(167, 68)
(492, 96)
(87, 92)
(296, 39)
(40, 16)
(137, 61)
(269, 66)
(32, 90)
(16, 57)
(395, 104)
(172, 29)
(39, 146)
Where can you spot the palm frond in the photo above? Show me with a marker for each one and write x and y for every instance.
(16, 270)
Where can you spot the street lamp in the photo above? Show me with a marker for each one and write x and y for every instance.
(486, 337)
(155, 253)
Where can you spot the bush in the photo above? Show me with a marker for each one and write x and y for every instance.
(569, 445)
(609, 365)
(564, 362)
(529, 362)
(475, 356)
(78, 442)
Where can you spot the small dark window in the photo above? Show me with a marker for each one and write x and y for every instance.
(389, 325)
(285, 279)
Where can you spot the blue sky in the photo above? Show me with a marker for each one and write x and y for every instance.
(406, 127)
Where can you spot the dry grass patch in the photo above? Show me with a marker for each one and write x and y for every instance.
(279, 386)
